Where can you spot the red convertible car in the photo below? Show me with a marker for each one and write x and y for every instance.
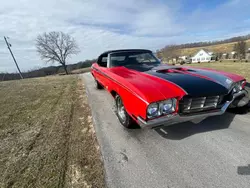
(153, 94)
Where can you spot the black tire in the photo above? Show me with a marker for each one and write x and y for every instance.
(124, 119)
(98, 85)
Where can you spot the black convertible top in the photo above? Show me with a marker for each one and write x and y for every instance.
(126, 50)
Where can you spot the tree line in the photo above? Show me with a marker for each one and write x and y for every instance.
(210, 43)
(46, 71)
(172, 51)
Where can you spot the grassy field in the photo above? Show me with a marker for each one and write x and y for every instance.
(77, 71)
(81, 71)
(219, 48)
(47, 136)
(240, 68)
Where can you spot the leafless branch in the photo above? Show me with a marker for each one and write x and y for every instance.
(56, 47)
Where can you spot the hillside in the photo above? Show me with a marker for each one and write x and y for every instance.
(189, 49)
(218, 48)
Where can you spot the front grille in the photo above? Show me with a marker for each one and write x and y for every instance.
(197, 104)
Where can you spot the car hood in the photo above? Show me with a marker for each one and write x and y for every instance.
(162, 82)
(148, 87)
(194, 85)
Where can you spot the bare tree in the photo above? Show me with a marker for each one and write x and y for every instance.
(240, 48)
(219, 55)
(159, 54)
(56, 47)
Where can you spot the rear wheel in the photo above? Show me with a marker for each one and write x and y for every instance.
(122, 114)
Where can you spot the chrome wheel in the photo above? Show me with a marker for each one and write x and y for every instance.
(121, 110)
(122, 114)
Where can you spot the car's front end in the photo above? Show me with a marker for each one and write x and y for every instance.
(188, 108)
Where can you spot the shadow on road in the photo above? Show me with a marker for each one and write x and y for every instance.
(184, 130)
(244, 170)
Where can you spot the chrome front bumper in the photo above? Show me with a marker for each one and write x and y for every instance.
(176, 118)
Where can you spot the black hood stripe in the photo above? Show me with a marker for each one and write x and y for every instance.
(193, 85)
(218, 78)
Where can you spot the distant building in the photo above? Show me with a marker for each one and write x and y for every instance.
(203, 56)
(233, 55)
(183, 57)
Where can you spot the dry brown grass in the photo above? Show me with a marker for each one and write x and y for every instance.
(219, 48)
(80, 71)
(47, 135)
(77, 71)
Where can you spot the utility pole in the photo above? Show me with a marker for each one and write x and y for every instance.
(8, 45)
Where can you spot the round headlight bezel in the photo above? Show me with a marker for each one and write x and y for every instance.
(151, 107)
(171, 103)
(160, 108)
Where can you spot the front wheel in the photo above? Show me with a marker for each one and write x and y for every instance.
(98, 85)
(121, 113)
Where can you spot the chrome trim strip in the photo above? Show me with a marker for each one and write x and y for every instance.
(108, 61)
(176, 118)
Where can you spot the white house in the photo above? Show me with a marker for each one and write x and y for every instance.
(202, 56)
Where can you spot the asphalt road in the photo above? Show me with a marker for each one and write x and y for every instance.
(213, 153)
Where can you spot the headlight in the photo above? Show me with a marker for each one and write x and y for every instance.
(168, 106)
(161, 108)
(153, 110)
(238, 86)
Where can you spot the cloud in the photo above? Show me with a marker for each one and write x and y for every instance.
(99, 25)
(224, 18)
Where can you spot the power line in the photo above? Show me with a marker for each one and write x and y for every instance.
(9, 45)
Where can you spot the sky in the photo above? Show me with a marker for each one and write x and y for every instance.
(100, 25)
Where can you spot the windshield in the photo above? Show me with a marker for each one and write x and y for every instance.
(132, 58)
